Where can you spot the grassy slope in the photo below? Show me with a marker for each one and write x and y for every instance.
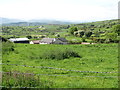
(99, 57)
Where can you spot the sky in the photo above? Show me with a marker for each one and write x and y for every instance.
(69, 10)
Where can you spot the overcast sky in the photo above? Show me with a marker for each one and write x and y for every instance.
(73, 10)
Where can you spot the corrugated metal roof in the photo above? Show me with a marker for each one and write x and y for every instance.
(18, 39)
(62, 39)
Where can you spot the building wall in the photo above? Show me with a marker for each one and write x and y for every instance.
(31, 42)
(21, 41)
(43, 43)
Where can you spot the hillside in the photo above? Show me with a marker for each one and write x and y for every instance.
(100, 31)
(62, 66)
(9, 20)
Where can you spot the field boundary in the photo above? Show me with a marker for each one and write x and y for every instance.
(56, 68)
(58, 75)
(17, 87)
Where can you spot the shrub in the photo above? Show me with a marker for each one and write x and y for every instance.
(72, 30)
(59, 54)
(29, 37)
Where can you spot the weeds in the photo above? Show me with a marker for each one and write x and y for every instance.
(18, 79)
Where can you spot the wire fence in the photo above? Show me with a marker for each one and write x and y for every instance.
(57, 68)
(31, 80)
(24, 80)
(56, 75)
(17, 87)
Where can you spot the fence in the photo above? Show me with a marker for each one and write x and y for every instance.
(57, 75)
(58, 68)
(30, 77)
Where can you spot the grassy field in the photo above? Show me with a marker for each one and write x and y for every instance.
(94, 68)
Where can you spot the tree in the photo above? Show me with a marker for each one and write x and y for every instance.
(79, 33)
(76, 33)
(111, 36)
(57, 35)
(84, 38)
(29, 37)
(73, 29)
(88, 33)
(116, 29)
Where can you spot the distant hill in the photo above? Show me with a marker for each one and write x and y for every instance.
(17, 22)
(48, 21)
(7, 20)
(35, 22)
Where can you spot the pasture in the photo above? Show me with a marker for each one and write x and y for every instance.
(95, 66)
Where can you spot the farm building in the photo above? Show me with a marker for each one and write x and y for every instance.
(47, 41)
(61, 41)
(35, 42)
(85, 43)
(19, 40)
(53, 41)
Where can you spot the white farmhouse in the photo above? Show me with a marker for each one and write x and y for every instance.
(53, 41)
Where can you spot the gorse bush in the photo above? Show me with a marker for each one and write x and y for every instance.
(59, 54)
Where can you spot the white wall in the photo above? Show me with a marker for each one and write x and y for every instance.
(31, 42)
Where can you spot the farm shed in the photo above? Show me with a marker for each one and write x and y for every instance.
(85, 43)
(60, 41)
(47, 41)
(19, 40)
(53, 41)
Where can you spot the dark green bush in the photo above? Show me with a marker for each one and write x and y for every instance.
(59, 54)
(29, 37)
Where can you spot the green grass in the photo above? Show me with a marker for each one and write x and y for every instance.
(98, 57)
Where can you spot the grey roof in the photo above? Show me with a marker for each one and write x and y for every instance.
(18, 39)
(51, 40)
(47, 40)
(62, 39)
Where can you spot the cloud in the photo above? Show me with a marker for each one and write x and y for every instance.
(74, 10)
